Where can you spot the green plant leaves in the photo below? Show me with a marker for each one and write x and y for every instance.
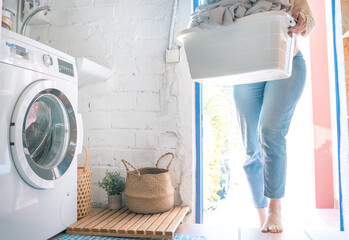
(112, 183)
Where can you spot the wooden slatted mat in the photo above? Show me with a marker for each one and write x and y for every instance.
(124, 223)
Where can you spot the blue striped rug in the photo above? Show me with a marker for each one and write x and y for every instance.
(83, 237)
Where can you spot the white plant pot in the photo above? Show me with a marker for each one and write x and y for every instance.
(114, 202)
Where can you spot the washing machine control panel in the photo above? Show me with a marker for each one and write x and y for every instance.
(47, 59)
(65, 67)
(23, 52)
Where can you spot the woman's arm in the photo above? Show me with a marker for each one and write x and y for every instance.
(302, 12)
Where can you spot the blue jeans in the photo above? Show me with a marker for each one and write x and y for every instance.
(264, 112)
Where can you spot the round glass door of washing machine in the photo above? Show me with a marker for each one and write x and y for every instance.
(43, 134)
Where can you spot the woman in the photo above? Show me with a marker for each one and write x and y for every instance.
(264, 112)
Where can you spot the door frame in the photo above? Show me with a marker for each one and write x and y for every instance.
(199, 146)
(339, 105)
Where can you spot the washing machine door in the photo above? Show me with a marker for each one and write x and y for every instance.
(43, 133)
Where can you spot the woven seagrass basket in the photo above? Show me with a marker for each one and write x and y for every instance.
(149, 190)
(84, 189)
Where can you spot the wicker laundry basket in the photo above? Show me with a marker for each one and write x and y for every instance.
(84, 189)
(149, 190)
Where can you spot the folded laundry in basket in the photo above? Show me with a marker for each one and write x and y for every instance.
(224, 12)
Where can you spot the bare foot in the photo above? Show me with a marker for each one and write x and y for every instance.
(262, 215)
(273, 223)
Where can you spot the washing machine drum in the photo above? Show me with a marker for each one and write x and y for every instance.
(43, 134)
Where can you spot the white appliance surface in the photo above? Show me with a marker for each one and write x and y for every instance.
(39, 131)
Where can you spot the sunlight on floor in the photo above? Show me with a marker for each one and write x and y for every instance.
(237, 211)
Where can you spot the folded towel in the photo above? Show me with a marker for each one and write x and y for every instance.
(224, 12)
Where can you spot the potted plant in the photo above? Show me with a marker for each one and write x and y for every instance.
(114, 185)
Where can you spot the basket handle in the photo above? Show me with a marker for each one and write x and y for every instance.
(126, 162)
(168, 166)
(86, 160)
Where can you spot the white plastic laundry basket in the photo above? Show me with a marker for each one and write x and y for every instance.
(254, 48)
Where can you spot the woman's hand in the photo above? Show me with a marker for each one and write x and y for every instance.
(301, 20)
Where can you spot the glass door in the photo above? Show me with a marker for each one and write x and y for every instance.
(43, 135)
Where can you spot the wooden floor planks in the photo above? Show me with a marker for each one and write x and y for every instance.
(124, 223)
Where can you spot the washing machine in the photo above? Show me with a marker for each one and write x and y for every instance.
(39, 139)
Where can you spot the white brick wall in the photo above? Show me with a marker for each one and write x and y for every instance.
(146, 108)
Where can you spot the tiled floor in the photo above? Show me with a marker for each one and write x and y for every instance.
(249, 234)
(224, 233)
(330, 217)
(237, 210)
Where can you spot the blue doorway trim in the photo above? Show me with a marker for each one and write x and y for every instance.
(338, 111)
(199, 146)
(199, 153)
(195, 4)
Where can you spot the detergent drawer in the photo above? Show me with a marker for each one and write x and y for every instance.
(255, 48)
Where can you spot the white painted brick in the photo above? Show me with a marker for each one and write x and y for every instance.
(91, 47)
(69, 33)
(61, 46)
(125, 29)
(91, 14)
(134, 120)
(147, 101)
(168, 140)
(89, 92)
(99, 197)
(140, 158)
(98, 173)
(124, 65)
(96, 120)
(82, 48)
(39, 33)
(147, 140)
(139, 83)
(155, 2)
(57, 4)
(119, 101)
(148, 48)
(113, 138)
(120, 51)
(61, 17)
(104, 3)
(97, 157)
(151, 29)
(93, 91)
(151, 65)
(104, 32)
(142, 11)
(168, 122)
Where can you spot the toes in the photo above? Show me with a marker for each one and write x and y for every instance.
(275, 229)
(264, 229)
(278, 229)
(272, 229)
